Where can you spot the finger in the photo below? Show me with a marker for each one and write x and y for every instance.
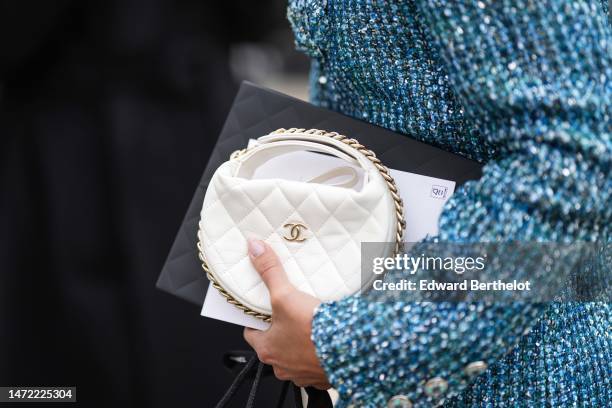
(269, 267)
(252, 336)
(280, 373)
(322, 386)
(256, 340)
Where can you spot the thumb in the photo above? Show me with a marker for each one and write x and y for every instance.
(269, 267)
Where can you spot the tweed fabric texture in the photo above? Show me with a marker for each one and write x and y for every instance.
(523, 86)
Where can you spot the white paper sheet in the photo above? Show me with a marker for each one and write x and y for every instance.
(423, 200)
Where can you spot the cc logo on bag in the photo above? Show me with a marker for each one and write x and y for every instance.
(295, 231)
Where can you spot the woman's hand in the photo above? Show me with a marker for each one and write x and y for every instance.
(286, 345)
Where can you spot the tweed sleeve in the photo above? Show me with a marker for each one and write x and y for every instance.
(533, 78)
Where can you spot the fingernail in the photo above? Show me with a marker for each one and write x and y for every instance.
(256, 247)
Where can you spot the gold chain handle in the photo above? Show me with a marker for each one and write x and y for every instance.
(370, 155)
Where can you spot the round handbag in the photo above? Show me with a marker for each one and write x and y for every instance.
(316, 229)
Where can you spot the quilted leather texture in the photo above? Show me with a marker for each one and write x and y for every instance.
(326, 264)
(257, 111)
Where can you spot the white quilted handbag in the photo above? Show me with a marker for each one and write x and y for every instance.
(315, 228)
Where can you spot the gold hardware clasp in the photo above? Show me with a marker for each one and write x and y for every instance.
(295, 231)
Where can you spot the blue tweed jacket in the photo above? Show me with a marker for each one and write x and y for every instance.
(523, 86)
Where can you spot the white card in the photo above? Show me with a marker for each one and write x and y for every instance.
(423, 199)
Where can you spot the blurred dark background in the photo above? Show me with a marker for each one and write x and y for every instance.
(108, 113)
